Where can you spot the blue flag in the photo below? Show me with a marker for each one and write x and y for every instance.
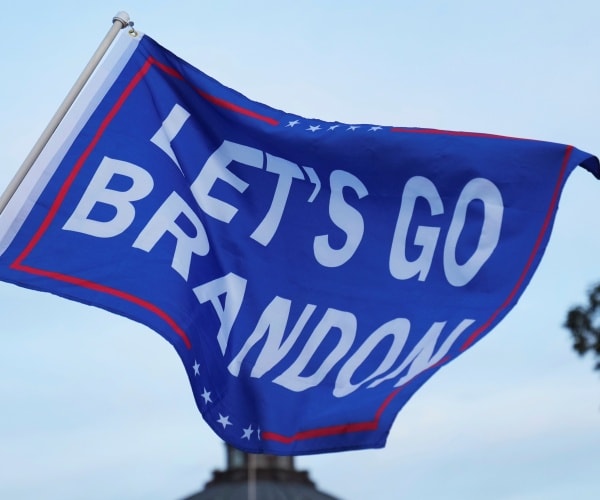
(311, 275)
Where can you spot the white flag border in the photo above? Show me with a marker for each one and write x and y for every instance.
(21, 203)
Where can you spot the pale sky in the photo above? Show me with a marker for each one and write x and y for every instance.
(95, 406)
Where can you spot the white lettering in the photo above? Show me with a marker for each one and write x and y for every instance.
(337, 329)
(165, 221)
(98, 192)
(215, 169)
(234, 287)
(169, 130)
(273, 320)
(344, 216)
(287, 172)
(398, 329)
(489, 194)
(426, 237)
(423, 356)
(342, 321)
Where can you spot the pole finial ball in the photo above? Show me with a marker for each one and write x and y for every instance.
(122, 17)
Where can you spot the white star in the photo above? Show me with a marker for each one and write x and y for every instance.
(196, 368)
(353, 127)
(333, 127)
(293, 124)
(248, 432)
(224, 421)
(314, 128)
(206, 396)
(258, 434)
(375, 129)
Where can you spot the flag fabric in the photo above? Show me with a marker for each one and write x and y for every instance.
(311, 275)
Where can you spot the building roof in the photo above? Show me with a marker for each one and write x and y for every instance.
(259, 477)
(264, 490)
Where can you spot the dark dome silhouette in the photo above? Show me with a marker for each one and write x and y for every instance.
(259, 477)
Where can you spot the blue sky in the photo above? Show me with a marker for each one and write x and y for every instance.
(96, 406)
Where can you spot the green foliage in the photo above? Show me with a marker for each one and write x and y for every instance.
(584, 324)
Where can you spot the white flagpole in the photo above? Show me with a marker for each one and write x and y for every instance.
(251, 476)
(120, 21)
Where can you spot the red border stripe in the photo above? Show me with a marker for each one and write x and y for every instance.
(273, 436)
(553, 202)
(66, 186)
(374, 424)
(217, 101)
(370, 425)
(235, 108)
(97, 287)
(62, 193)
(18, 263)
(435, 131)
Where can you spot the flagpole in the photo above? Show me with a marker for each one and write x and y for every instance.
(120, 21)
(251, 476)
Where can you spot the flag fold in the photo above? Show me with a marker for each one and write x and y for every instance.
(311, 275)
